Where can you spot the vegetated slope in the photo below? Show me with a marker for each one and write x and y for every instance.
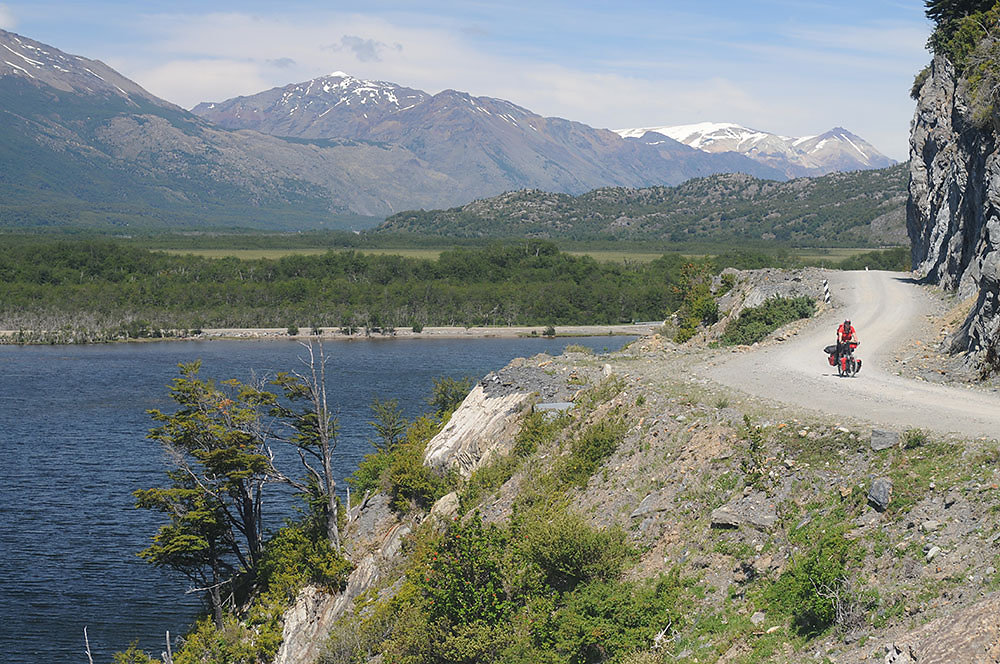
(836, 209)
(483, 145)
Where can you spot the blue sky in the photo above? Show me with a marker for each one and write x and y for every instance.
(793, 68)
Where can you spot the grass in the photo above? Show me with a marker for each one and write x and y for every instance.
(810, 255)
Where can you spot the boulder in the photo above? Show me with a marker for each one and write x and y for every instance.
(446, 506)
(883, 440)
(880, 493)
(652, 503)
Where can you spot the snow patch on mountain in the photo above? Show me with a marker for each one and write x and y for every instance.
(835, 150)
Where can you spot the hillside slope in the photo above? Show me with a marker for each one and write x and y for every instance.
(758, 532)
(858, 208)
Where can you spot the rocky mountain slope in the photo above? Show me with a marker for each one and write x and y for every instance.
(854, 209)
(777, 536)
(484, 145)
(834, 150)
(80, 144)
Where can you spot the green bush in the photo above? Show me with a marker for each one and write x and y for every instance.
(465, 577)
(562, 550)
(588, 450)
(292, 330)
(803, 589)
(294, 558)
(605, 620)
(233, 644)
(411, 483)
(133, 656)
(755, 323)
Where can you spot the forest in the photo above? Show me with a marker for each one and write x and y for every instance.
(96, 290)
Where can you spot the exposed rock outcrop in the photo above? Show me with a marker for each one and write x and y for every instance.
(482, 426)
(953, 214)
(971, 634)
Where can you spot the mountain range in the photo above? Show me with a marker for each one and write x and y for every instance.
(82, 145)
(806, 156)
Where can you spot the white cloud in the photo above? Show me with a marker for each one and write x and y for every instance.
(7, 19)
(816, 81)
(203, 80)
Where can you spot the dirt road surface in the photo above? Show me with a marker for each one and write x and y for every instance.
(886, 309)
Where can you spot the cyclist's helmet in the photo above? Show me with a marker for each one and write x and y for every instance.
(847, 324)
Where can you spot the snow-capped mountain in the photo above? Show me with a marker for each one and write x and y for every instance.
(835, 150)
(337, 105)
(43, 65)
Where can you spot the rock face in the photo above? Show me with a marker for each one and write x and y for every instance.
(953, 213)
(482, 426)
(969, 635)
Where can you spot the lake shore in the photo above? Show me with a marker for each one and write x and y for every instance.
(448, 332)
(334, 333)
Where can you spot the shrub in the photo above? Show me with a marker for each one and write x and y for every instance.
(133, 656)
(448, 393)
(918, 82)
(549, 331)
(294, 558)
(465, 577)
(914, 438)
(606, 620)
(417, 328)
(755, 323)
(411, 483)
(233, 644)
(564, 550)
(292, 330)
(577, 348)
(806, 589)
(589, 449)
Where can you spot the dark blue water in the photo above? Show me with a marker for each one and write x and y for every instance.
(72, 436)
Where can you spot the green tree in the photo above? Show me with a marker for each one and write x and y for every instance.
(196, 541)
(217, 442)
(388, 422)
(448, 393)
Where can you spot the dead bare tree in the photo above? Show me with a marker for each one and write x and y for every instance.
(314, 433)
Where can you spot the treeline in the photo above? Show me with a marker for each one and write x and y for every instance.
(95, 290)
(529, 283)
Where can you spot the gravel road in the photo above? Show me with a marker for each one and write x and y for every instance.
(887, 309)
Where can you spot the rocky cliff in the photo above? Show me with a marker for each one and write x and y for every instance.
(953, 213)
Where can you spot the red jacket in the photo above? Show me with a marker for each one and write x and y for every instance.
(846, 335)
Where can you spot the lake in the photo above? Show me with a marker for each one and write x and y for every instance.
(72, 432)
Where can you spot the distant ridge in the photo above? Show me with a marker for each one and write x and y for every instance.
(834, 150)
(839, 209)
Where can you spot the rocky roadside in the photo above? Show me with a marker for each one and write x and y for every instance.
(733, 494)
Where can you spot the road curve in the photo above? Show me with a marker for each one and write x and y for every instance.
(885, 308)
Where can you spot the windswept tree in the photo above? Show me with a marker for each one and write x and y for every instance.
(217, 441)
(197, 540)
(943, 11)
